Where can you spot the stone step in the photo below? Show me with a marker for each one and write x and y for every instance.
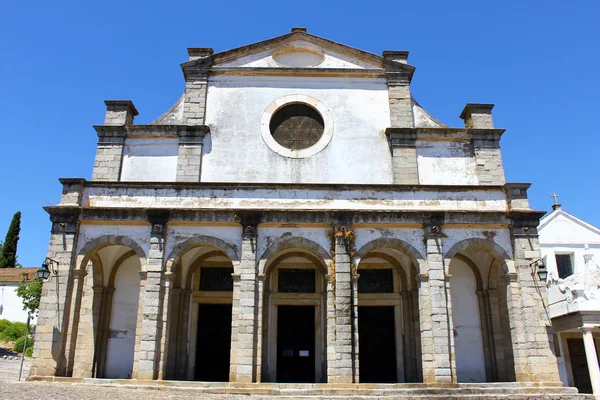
(482, 391)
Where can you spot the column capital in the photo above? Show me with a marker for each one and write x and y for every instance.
(587, 328)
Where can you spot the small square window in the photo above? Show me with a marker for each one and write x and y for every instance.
(564, 265)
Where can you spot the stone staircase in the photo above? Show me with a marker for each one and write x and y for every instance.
(322, 391)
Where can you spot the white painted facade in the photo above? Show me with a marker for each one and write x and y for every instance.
(573, 300)
(11, 305)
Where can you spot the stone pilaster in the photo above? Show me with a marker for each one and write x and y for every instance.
(167, 283)
(243, 367)
(532, 341)
(189, 161)
(49, 357)
(401, 112)
(437, 347)
(148, 347)
(403, 145)
(78, 313)
(109, 154)
(488, 159)
(102, 332)
(194, 109)
(344, 362)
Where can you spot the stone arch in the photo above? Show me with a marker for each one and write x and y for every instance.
(197, 241)
(116, 265)
(395, 264)
(496, 250)
(287, 242)
(474, 269)
(94, 245)
(187, 283)
(393, 243)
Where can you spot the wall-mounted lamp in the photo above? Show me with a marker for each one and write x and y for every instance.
(48, 266)
(538, 267)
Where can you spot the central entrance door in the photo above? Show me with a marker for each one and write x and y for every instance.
(214, 342)
(296, 344)
(377, 344)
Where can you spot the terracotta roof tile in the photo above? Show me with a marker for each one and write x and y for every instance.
(16, 274)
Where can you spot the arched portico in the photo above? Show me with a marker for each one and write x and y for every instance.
(293, 301)
(388, 311)
(200, 311)
(479, 280)
(105, 286)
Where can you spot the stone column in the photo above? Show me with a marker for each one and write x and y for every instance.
(245, 311)
(49, 356)
(532, 341)
(344, 362)
(182, 339)
(80, 310)
(194, 109)
(592, 359)
(437, 345)
(167, 283)
(148, 354)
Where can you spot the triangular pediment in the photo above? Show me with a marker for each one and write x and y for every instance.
(299, 50)
(564, 228)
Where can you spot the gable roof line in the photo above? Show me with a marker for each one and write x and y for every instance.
(232, 54)
(558, 212)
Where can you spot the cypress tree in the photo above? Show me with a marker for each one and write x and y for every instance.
(8, 255)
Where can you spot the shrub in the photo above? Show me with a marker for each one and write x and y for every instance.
(18, 347)
(13, 331)
(4, 323)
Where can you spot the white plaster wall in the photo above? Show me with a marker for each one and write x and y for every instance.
(123, 320)
(413, 236)
(468, 342)
(576, 251)
(150, 160)
(357, 153)
(263, 59)
(446, 163)
(500, 236)
(564, 234)
(11, 305)
(267, 235)
(297, 199)
(139, 233)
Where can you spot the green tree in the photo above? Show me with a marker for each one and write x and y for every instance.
(31, 293)
(8, 255)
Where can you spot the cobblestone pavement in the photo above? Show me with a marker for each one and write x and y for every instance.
(60, 390)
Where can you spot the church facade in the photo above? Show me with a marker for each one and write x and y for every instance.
(296, 216)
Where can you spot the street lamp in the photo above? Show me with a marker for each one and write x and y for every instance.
(538, 267)
(47, 268)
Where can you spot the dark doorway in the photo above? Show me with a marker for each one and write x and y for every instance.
(581, 373)
(377, 344)
(296, 344)
(214, 342)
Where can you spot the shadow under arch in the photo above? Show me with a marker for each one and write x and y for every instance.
(178, 251)
(494, 248)
(266, 260)
(92, 247)
(392, 243)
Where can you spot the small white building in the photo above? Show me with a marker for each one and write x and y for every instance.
(11, 305)
(570, 249)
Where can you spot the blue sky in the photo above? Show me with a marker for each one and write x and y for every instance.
(536, 60)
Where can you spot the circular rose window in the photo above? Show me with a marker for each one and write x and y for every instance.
(297, 126)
